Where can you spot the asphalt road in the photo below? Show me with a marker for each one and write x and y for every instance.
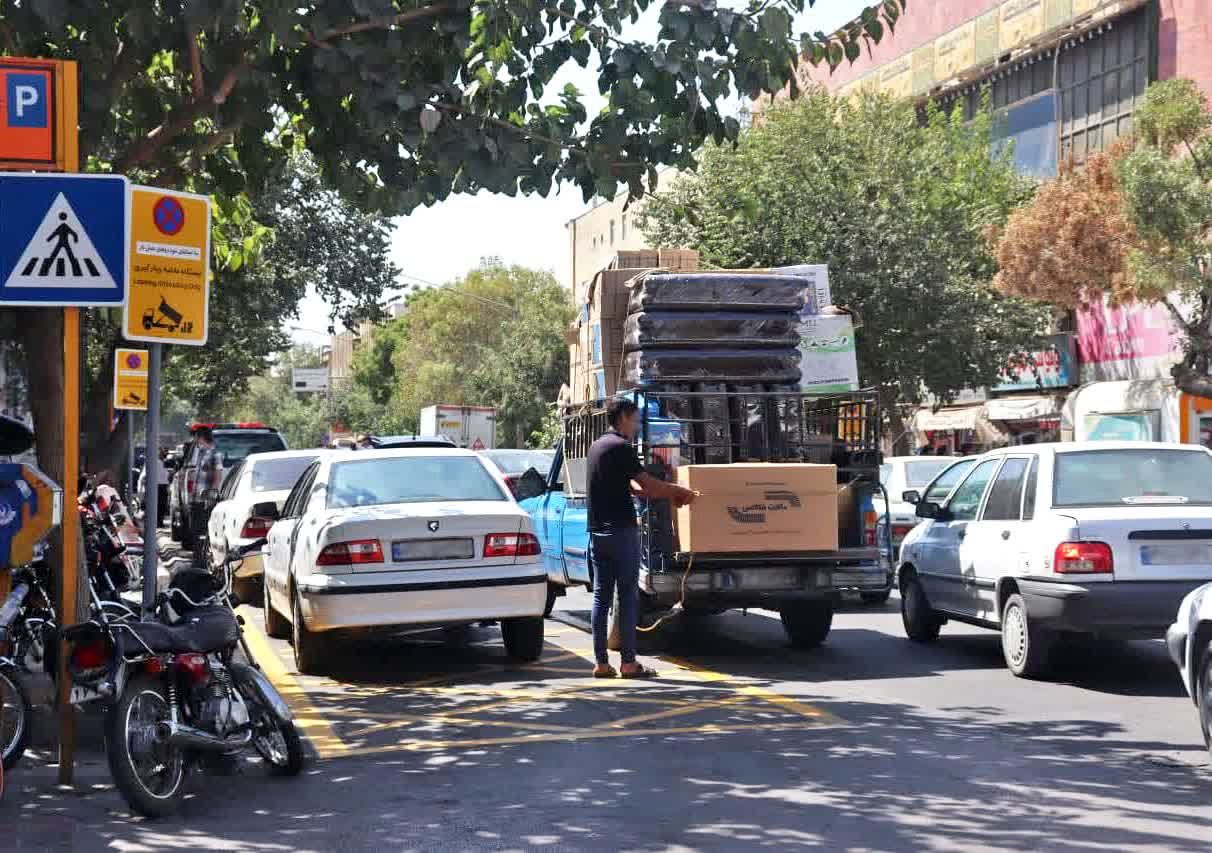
(869, 743)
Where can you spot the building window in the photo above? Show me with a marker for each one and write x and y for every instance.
(612, 232)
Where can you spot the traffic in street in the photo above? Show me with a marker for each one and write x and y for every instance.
(870, 741)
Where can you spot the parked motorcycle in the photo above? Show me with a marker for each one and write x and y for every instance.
(113, 547)
(15, 709)
(177, 693)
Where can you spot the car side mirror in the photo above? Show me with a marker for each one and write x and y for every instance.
(912, 496)
(929, 509)
(268, 509)
(530, 485)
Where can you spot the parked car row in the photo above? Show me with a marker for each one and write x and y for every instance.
(1040, 543)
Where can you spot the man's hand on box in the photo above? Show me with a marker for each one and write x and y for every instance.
(684, 496)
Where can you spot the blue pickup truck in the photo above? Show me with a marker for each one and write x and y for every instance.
(682, 427)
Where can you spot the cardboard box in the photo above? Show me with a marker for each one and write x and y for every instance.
(759, 508)
(643, 258)
(678, 260)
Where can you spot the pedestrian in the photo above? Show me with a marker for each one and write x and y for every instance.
(614, 474)
(208, 473)
(162, 478)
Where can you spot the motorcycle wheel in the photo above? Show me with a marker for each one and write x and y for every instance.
(15, 715)
(150, 775)
(278, 743)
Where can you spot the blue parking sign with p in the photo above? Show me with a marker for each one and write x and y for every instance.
(27, 98)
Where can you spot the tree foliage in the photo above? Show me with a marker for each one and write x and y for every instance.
(1132, 225)
(493, 338)
(896, 206)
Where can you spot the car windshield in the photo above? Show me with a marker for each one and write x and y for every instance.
(919, 473)
(236, 445)
(1132, 477)
(411, 479)
(274, 475)
(513, 462)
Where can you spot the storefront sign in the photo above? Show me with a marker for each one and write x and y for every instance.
(955, 51)
(1126, 342)
(1052, 367)
(896, 78)
(828, 360)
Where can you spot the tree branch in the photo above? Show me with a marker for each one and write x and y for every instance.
(179, 122)
(383, 22)
(195, 63)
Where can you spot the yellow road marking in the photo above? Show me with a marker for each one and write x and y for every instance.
(557, 737)
(454, 719)
(681, 710)
(307, 717)
(769, 696)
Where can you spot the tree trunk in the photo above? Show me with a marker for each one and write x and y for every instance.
(41, 331)
(897, 431)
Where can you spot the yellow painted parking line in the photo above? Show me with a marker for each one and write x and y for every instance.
(403, 721)
(307, 717)
(681, 709)
(579, 735)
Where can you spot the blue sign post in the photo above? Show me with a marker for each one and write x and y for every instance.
(64, 239)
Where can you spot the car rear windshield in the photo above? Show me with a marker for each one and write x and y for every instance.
(275, 475)
(520, 461)
(1132, 477)
(921, 473)
(411, 479)
(236, 445)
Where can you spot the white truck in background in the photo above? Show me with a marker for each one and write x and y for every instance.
(471, 427)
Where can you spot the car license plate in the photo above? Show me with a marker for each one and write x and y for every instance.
(413, 550)
(1176, 554)
(80, 695)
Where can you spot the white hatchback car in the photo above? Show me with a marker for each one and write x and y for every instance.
(402, 538)
(258, 479)
(1101, 538)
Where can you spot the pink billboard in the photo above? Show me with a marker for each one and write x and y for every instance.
(1129, 342)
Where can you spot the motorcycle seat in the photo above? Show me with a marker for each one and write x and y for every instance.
(204, 630)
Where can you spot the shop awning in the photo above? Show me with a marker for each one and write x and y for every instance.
(1023, 408)
(950, 418)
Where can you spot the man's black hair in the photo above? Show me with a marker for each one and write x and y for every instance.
(204, 432)
(619, 408)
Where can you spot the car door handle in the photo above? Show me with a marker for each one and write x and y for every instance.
(1005, 534)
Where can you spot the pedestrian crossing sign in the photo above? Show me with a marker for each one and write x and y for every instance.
(63, 239)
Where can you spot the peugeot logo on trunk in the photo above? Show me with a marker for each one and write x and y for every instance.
(433, 526)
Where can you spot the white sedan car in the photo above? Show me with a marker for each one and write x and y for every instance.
(898, 475)
(402, 538)
(1038, 541)
(260, 478)
(1190, 642)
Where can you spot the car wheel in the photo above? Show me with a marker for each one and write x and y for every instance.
(922, 622)
(308, 657)
(275, 625)
(1025, 645)
(807, 623)
(1204, 698)
(874, 598)
(523, 638)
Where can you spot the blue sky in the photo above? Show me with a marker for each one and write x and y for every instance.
(440, 243)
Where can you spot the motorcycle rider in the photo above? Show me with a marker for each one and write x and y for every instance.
(208, 474)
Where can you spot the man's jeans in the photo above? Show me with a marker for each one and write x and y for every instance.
(616, 560)
(199, 516)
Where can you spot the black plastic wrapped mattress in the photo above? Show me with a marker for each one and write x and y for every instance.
(704, 291)
(647, 366)
(731, 329)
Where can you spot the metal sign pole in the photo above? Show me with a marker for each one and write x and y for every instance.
(130, 455)
(151, 497)
(71, 528)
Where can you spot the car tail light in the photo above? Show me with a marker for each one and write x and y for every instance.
(900, 531)
(1083, 558)
(195, 666)
(351, 553)
(256, 528)
(511, 545)
(870, 522)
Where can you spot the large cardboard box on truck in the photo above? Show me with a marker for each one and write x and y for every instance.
(759, 507)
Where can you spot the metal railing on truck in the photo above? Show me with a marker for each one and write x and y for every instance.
(736, 424)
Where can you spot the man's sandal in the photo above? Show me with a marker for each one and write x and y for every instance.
(604, 670)
(640, 671)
